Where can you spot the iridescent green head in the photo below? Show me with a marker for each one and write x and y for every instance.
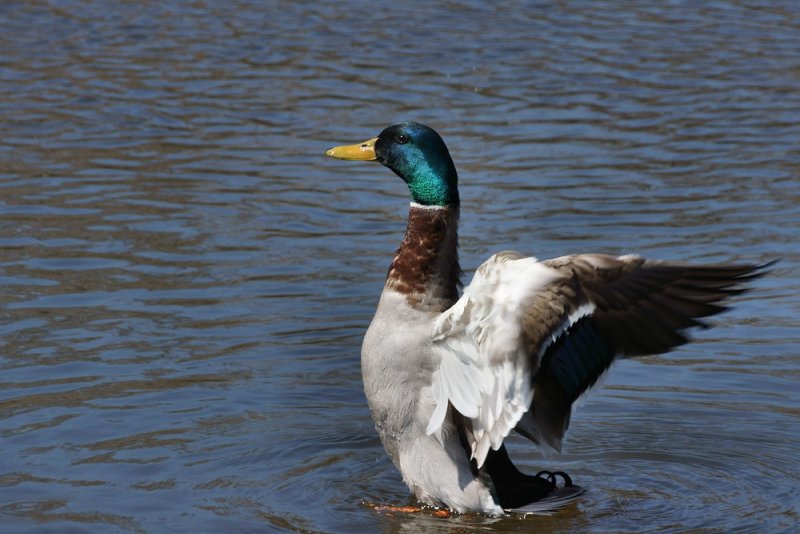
(417, 154)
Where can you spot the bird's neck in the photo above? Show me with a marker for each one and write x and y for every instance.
(425, 267)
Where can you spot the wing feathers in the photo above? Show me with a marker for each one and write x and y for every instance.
(484, 372)
(528, 338)
(641, 308)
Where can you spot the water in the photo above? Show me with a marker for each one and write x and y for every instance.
(185, 279)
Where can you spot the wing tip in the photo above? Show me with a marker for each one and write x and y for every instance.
(437, 419)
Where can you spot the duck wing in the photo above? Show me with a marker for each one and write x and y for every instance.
(527, 338)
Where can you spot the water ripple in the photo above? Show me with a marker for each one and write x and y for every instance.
(185, 280)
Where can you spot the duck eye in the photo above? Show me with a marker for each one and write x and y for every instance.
(401, 139)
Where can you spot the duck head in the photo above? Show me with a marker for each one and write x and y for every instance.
(417, 154)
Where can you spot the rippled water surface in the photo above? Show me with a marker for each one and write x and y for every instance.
(185, 280)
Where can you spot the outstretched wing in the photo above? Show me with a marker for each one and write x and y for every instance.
(527, 338)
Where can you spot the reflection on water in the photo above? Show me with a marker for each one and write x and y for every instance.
(185, 280)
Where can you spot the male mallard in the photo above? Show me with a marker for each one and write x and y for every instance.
(447, 378)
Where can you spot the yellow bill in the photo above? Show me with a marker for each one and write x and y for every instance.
(362, 151)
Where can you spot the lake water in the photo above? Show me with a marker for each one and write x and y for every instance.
(185, 279)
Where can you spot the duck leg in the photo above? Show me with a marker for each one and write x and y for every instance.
(514, 488)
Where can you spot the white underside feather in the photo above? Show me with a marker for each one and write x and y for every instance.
(485, 370)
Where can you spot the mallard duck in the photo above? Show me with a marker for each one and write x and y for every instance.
(448, 375)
